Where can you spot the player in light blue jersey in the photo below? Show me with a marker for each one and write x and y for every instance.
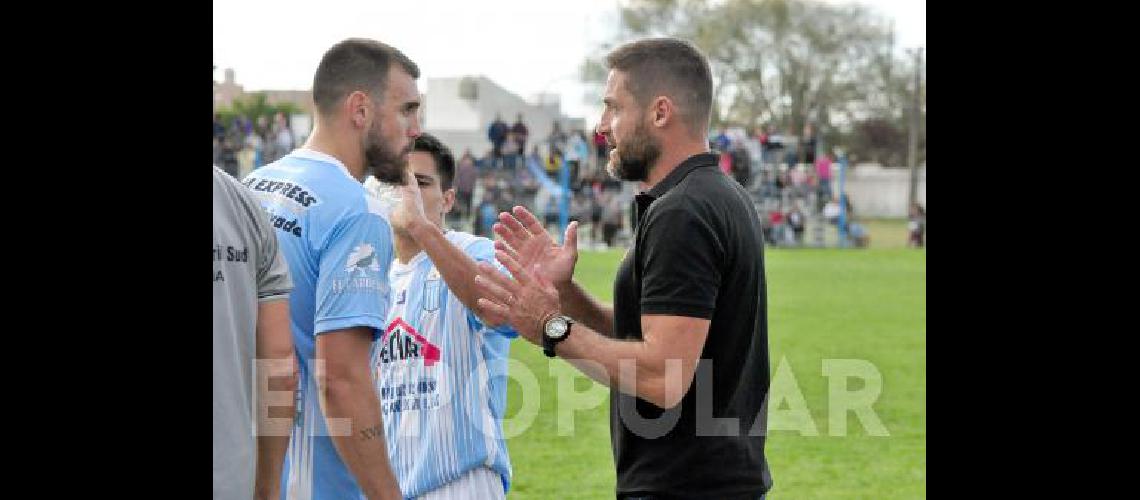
(339, 249)
(440, 370)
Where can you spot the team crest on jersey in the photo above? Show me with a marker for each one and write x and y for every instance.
(363, 259)
(432, 288)
(401, 342)
(363, 272)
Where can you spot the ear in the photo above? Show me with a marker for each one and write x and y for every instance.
(358, 108)
(448, 201)
(661, 111)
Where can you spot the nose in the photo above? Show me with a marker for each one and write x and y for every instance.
(602, 127)
(414, 127)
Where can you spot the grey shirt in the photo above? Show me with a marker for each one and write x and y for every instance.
(247, 270)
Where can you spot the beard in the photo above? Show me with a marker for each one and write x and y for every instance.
(630, 161)
(381, 161)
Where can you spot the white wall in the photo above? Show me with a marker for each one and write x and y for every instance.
(462, 124)
(881, 192)
(444, 110)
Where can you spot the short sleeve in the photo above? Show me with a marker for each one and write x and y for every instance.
(681, 258)
(352, 285)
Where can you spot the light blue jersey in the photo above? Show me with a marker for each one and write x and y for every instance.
(441, 377)
(339, 249)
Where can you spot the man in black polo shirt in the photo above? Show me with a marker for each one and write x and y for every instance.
(685, 345)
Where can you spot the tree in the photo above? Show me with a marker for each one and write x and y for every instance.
(786, 63)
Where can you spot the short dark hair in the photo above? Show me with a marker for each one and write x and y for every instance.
(444, 160)
(670, 67)
(355, 64)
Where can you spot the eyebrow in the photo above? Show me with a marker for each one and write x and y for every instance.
(608, 102)
(411, 105)
(425, 178)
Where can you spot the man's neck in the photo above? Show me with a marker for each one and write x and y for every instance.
(339, 146)
(672, 157)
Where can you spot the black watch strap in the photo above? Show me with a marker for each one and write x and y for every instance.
(547, 346)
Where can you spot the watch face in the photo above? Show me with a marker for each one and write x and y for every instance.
(556, 328)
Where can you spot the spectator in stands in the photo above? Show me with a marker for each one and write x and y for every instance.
(261, 127)
(262, 130)
(916, 226)
(486, 218)
(611, 216)
(524, 179)
(553, 163)
(579, 210)
(506, 195)
(776, 226)
(535, 157)
(762, 136)
(773, 145)
(823, 167)
(511, 152)
(808, 143)
(284, 141)
(601, 151)
(767, 182)
(798, 177)
(831, 212)
(521, 133)
(722, 141)
(497, 134)
(465, 175)
(231, 147)
(248, 155)
(550, 214)
(467, 155)
(557, 140)
(791, 155)
(486, 163)
(796, 222)
(597, 199)
(577, 151)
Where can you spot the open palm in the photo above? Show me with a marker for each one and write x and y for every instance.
(527, 242)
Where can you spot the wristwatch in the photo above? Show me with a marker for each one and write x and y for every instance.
(555, 330)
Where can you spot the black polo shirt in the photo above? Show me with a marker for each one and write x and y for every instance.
(697, 252)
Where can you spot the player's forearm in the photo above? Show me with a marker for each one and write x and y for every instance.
(270, 457)
(273, 428)
(627, 365)
(354, 421)
(456, 268)
(277, 388)
(578, 304)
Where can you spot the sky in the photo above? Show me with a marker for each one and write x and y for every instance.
(276, 44)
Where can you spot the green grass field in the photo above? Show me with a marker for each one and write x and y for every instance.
(823, 305)
(886, 233)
